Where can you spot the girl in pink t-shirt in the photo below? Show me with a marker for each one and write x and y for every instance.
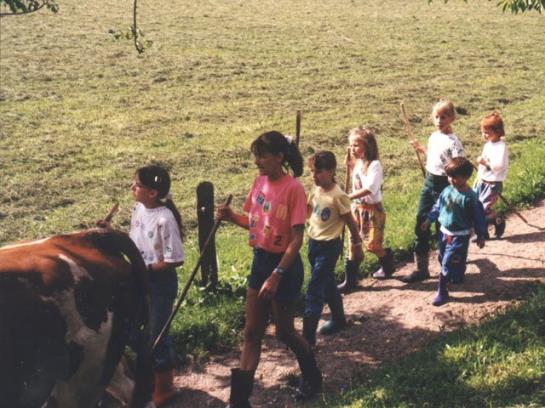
(274, 214)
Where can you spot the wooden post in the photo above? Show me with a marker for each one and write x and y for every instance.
(205, 217)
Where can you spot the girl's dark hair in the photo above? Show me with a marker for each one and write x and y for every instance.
(275, 142)
(459, 167)
(157, 178)
(323, 160)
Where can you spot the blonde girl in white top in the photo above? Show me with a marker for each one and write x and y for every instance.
(366, 196)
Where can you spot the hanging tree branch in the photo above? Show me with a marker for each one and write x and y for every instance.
(21, 7)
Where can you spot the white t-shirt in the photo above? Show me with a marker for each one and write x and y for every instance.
(371, 181)
(156, 234)
(442, 148)
(498, 157)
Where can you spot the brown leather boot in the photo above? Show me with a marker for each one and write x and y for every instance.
(164, 389)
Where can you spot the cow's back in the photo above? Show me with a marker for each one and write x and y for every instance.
(67, 305)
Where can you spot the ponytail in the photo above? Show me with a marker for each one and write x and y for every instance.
(177, 216)
(275, 142)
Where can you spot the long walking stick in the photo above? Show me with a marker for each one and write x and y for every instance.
(112, 212)
(191, 277)
(410, 133)
(507, 203)
(105, 222)
(297, 128)
(346, 186)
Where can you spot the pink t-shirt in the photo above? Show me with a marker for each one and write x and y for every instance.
(274, 207)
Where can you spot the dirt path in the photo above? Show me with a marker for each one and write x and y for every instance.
(389, 319)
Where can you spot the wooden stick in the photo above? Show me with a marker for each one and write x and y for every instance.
(346, 187)
(297, 128)
(409, 131)
(507, 203)
(112, 212)
(191, 277)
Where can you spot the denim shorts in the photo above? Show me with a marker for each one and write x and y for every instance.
(264, 263)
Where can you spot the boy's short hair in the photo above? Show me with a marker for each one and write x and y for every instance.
(323, 160)
(446, 106)
(493, 122)
(459, 167)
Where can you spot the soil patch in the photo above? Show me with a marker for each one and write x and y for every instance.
(388, 320)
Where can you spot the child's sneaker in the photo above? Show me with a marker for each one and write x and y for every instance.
(499, 226)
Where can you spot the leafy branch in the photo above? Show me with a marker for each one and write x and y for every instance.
(18, 7)
(516, 6)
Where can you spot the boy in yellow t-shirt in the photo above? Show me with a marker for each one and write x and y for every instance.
(328, 211)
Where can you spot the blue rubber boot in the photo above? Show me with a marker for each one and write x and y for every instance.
(441, 296)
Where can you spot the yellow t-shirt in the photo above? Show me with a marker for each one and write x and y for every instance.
(325, 222)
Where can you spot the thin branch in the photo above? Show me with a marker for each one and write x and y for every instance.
(26, 11)
(139, 47)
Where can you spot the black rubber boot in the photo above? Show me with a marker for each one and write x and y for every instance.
(242, 383)
(350, 276)
(421, 273)
(338, 319)
(311, 377)
(386, 265)
(499, 226)
(310, 323)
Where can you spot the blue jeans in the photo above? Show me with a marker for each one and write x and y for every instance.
(322, 287)
(263, 263)
(453, 255)
(163, 290)
(431, 189)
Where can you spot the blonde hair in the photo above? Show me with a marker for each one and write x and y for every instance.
(367, 137)
(446, 106)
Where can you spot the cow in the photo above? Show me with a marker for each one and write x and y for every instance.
(69, 304)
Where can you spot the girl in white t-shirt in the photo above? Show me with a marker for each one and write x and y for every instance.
(493, 163)
(156, 229)
(366, 196)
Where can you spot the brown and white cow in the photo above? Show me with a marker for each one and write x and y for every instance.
(67, 307)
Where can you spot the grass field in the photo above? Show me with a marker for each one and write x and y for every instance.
(80, 111)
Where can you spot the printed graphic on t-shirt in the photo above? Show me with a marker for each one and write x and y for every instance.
(326, 213)
(260, 198)
(266, 207)
(266, 230)
(358, 184)
(282, 211)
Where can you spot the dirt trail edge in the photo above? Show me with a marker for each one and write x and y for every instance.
(389, 319)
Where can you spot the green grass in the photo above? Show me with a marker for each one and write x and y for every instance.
(501, 363)
(80, 111)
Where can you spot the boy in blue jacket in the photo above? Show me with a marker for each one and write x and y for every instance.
(459, 212)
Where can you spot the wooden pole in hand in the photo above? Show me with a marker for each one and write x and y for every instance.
(409, 131)
(346, 187)
(297, 128)
(507, 203)
(191, 277)
(112, 212)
